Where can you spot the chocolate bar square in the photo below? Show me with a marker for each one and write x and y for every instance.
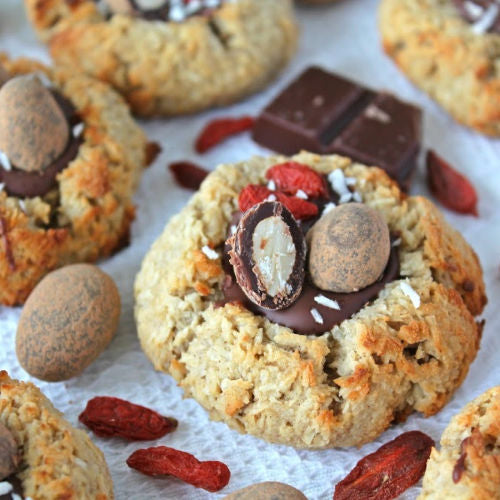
(325, 113)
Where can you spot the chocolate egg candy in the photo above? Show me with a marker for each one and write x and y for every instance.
(33, 128)
(67, 321)
(269, 490)
(268, 253)
(349, 248)
(4, 75)
(10, 457)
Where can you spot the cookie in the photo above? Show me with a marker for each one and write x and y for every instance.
(171, 62)
(467, 466)
(450, 58)
(79, 207)
(406, 350)
(58, 461)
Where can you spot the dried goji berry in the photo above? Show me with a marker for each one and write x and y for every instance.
(389, 471)
(153, 149)
(291, 177)
(220, 129)
(254, 193)
(188, 175)
(211, 476)
(107, 416)
(450, 187)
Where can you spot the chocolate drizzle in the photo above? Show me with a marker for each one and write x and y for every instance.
(29, 184)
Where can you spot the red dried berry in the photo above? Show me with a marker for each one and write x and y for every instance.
(211, 476)
(219, 130)
(188, 175)
(450, 187)
(291, 177)
(107, 416)
(389, 471)
(153, 149)
(254, 193)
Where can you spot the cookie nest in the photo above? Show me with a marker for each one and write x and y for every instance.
(479, 476)
(438, 50)
(172, 68)
(58, 460)
(89, 212)
(344, 387)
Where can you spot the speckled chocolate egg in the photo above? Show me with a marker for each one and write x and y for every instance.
(33, 128)
(67, 321)
(349, 248)
(267, 491)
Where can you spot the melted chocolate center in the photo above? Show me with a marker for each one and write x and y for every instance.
(30, 184)
(483, 14)
(298, 316)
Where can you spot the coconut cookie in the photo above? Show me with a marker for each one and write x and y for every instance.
(468, 464)
(238, 302)
(171, 57)
(449, 48)
(42, 456)
(70, 159)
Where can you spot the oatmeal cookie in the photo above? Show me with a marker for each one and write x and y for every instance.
(58, 461)
(343, 387)
(467, 467)
(170, 68)
(442, 53)
(88, 213)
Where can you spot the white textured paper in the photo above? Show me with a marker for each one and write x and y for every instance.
(340, 37)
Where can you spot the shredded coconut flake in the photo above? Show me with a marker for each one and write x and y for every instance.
(325, 301)
(357, 197)
(4, 160)
(80, 462)
(345, 198)
(271, 197)
(22, 205)
(328, 207)
(271, 185)
(396, 243)
(233, 229)
(474, 10)
(78, 129)
(301, 194)
(485, 22)
(15, 496)
(2, 186)
(5, 488)
(411, 293)
(210, 253)
(351, 181)
(316, 316)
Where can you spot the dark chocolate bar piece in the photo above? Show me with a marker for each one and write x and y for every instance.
(325, 113)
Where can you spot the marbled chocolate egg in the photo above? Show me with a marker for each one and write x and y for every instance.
(267, 491)
(67, 321)
(349, 248)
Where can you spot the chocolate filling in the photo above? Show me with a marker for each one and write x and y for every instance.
(298, 316)
(484, 14)
(30, 184)
(17, 488)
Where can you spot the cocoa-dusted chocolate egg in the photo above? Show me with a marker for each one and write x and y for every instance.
(269, 490)
(67, 321)
(349, 248)
(4, 75)
(268, 252)
(33, 129)
(10, 457)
